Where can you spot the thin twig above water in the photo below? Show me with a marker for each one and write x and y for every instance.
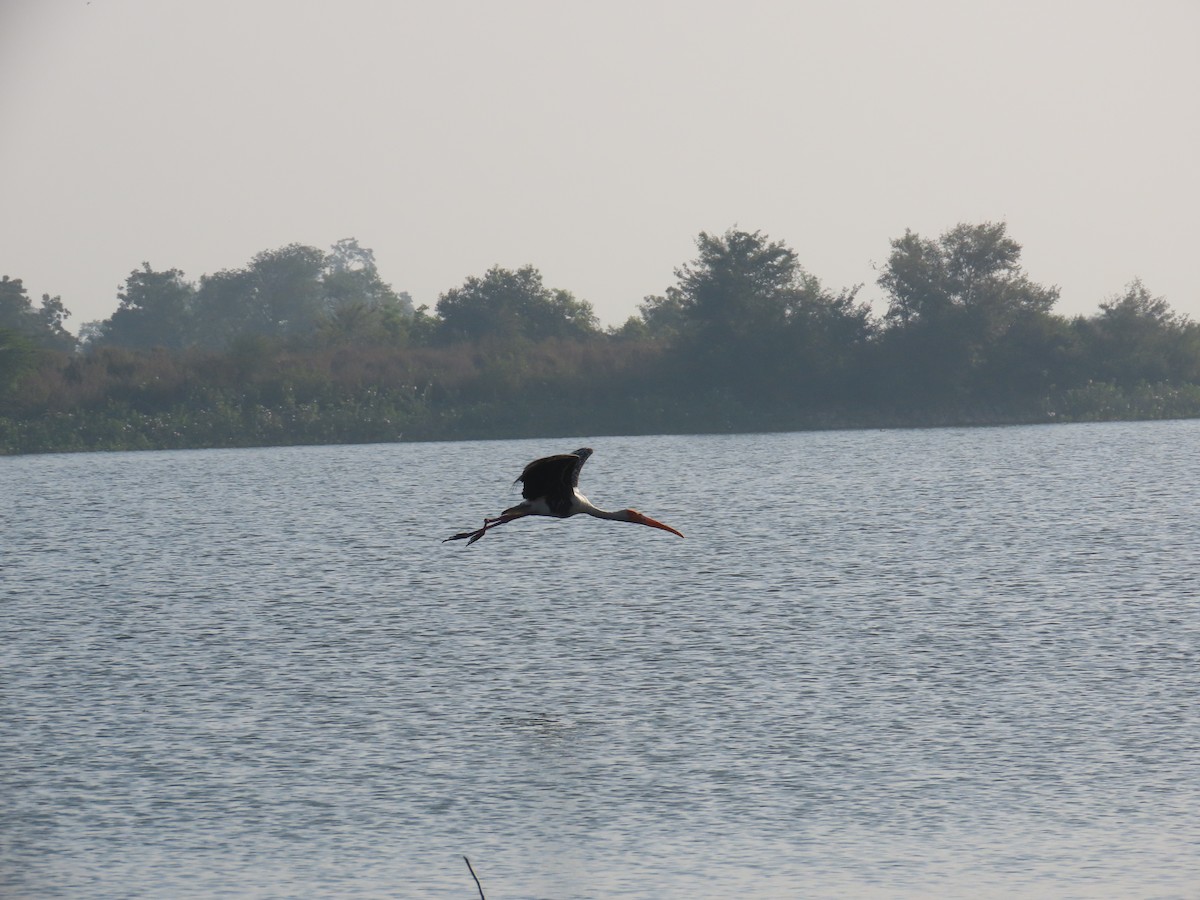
(471, 869)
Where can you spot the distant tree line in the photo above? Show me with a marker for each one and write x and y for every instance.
(303, 345)
(293, 292)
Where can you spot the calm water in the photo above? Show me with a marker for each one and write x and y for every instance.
(882, 664)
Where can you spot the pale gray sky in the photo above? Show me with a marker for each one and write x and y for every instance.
(595, 140)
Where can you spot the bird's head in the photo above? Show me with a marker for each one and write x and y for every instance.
(632, 515)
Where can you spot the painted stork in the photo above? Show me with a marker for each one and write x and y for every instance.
(550, 486)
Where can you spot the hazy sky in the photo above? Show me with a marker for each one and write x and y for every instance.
(595, 141)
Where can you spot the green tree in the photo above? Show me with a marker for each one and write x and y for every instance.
(663, 316)
(423, 329)
(43, 326)
(298, 292)
(970, 267)
(1137, 338)
(18, 356)
(740, 284)
(951, 303)
(14, 303)
(1037, 353)
(226, 308)
(359, 305)
(824, 342)
(505, 305)
(155, 311)
(747, 316)
(51, 316)
(287, 291)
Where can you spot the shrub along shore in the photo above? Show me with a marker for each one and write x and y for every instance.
(157, 402)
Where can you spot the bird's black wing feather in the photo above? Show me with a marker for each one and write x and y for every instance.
(554, 478)
(583, 453)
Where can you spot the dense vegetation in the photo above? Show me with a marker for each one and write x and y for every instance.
(308, 346)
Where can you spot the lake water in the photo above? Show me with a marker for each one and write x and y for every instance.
(881, 664)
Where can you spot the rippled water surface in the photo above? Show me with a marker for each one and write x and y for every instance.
(890, 663)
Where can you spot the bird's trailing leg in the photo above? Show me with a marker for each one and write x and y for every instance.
(475, 535)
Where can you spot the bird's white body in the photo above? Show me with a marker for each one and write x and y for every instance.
(580, 505)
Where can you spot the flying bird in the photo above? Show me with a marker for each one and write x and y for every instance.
(550, 486)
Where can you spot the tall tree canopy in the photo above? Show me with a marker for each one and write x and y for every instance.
(1137, 338)
(746, 314)
(970, 267)
(955, 307)
(358, 303)
(155, 310)
(42, 327)
(739, 284)
(504, 305)
(295, 291)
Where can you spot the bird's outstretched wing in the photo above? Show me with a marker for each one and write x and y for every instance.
(553, 477)
(582, 453)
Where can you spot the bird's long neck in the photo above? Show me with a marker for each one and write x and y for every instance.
(583, 505)
(615, 515)
(588, 508)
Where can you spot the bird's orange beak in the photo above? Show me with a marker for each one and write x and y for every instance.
(636, 516)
